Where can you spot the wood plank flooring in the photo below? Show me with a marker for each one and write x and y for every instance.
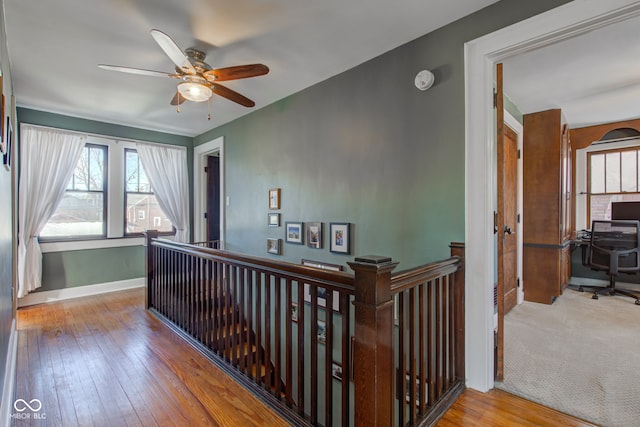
(105, 361)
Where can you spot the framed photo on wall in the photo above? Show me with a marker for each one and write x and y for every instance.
(273, 246)
(274, 198)
(274, 220)
(339, 236)
(294, 232)
(314, 235)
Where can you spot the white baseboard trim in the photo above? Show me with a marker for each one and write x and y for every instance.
(9, 382)
(79, 291)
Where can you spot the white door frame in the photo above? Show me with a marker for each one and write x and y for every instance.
(200, 154)
(566, 21)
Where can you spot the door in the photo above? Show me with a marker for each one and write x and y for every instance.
(506, 222)
(213, 198)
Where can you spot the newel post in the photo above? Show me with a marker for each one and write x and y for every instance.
(150, 264)
(457, 249)
(373, 353)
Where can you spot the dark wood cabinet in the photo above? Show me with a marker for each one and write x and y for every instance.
(547, 210)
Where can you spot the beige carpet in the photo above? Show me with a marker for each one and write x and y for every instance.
(578, 355)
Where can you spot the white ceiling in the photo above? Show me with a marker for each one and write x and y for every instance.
(55, 47)
(593, 78)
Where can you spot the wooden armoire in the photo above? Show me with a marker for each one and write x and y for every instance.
(547, 209)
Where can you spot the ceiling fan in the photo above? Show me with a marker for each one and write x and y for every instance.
(198, 81)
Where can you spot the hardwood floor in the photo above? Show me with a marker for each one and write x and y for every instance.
(105, 361)
(498, 408)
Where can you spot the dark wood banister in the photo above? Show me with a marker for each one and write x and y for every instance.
(373, 287)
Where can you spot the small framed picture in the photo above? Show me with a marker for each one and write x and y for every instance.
(273, 246)
(294, 312)
(322, 332)
(339, 234)
(274, 220)
(314, 235)
(336, 371)
(294, 232)
(274, 198)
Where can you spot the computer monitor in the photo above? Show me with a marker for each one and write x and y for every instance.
(625, 210)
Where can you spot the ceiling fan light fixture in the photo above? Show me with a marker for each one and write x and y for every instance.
(195, 91)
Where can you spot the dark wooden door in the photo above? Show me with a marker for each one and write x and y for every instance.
(213, 198)
(506, 222)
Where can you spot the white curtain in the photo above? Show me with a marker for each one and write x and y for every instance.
(166, 168)
(48, 158)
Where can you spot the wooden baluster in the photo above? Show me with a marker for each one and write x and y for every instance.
(313, 291)
(267, 333)
(457, 249)
(328, 352)
(413, 397)
(373, 358)
(277, 371)
(288, 344)
(244, 349)
(401, 382)
(346, 358)
(421, 344)
(150, 268)
(250, 334)
(258, 317)
(438, 349)
(301, 352)
(431, 314)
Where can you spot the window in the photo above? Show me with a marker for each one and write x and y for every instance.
(612, 176)
(142, 211)
(82, 211)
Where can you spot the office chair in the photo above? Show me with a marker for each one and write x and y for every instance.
(615, 248)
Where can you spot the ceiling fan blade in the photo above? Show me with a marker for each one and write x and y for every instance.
(173, 51)
(231, 95)
(235, 73)
(177, 99)
(139, 71)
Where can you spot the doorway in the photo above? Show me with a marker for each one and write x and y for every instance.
(569, 20)
(208, 225)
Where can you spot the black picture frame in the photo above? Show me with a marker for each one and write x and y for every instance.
(314, 234)
(339, 237)
(294, 232)
(274, 246)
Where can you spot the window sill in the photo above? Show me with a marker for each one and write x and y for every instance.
(79, 245)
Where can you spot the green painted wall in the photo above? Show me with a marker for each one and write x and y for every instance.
(78, 268)
(364, 147)
(87, 267)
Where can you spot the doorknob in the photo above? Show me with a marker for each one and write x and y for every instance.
(507, 230)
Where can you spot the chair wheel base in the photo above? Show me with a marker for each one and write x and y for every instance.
(595, 296)
(638, 302)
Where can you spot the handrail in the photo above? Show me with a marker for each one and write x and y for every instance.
(336, 280)
(406, 279)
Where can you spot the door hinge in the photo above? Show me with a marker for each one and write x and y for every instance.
(519, 153)
(518, 218)
(518, 282)
(205, 215)
(495, 222)
(206, 169)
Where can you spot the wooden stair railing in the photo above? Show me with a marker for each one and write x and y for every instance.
(237, 310)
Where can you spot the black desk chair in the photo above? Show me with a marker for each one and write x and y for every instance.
(615, 248)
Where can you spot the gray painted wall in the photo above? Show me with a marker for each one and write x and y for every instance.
(364, 147)
(7, 238)
(78, 268)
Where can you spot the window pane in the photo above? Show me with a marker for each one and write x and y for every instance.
(613, 172)
(144, 213)
(601, 204)
(629, 171)
(131, 168)
(597, 173)
(81, 174)
(79, 214)
(96, 169)
(145, 187)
